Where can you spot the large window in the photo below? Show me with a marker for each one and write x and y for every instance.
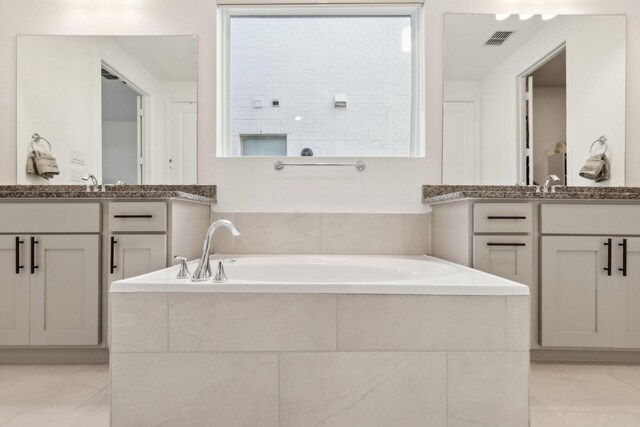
(335, 81)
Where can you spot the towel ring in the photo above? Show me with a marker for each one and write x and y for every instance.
(35, 138)
(603, 141)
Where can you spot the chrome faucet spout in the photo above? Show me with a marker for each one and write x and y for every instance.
(203, 270)
(549, 180)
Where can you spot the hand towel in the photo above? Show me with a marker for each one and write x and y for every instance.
(46, 165)
(31, 163)
(596, 168)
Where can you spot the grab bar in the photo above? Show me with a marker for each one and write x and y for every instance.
(359, 165)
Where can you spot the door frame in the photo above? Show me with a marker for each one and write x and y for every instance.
(477, 146)
(144, 123)
(169, 101)
(521, 124)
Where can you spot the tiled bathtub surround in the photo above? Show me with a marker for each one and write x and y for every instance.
(325, 233)
(319, 359)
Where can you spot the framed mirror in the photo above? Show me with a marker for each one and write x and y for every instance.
(121, 108)
(528, 96)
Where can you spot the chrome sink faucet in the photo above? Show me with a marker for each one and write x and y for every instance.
(203, 270)
(94, 182)
(549, 180)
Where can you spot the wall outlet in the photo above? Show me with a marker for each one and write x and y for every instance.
(78, 157)
(257, 103)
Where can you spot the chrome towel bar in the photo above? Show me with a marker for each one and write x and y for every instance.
(359, 165)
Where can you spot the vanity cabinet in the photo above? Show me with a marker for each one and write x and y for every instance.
(14, 292)
(134, 254)
(50, 293)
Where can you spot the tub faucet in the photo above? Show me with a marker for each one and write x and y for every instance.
(549, 180)
(203, 270)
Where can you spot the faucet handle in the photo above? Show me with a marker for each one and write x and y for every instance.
(184, 269)
(220, 276)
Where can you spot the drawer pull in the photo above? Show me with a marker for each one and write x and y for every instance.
(18, 243)
(608, 267)
(505, 217)
(34, 242)
(506, 244)
(624, 257)
(133, 216)
(112, 265)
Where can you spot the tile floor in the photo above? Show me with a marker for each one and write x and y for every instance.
(562, 395)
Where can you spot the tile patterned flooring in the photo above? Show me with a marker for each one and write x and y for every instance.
(562, 395)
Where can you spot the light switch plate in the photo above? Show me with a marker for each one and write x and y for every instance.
(77, 174)
(78, 157)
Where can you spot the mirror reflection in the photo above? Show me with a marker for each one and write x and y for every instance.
(119, 109)
(528, 97)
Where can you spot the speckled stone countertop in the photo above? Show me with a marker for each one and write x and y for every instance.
(196, 193)
(445, 193)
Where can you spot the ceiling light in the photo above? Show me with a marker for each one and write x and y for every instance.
(525, 16)
(546, 17)
(297, 118)
(502, 16)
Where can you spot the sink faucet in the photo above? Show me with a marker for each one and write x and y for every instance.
(549, 180)
(94, 182)
(203, 270)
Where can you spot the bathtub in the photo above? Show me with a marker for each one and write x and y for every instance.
(307, 340)
(344, 274)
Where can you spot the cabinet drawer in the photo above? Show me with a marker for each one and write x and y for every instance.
(50, 218)
(137, 216)
(502, 218)
(590, 219)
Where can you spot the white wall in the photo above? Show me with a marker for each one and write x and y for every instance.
(388, 185)
(595, 92)
(296, 61)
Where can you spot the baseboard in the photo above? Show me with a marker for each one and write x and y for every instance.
(594, 356)
(54, 355)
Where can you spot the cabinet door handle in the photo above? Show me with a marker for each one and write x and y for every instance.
(506, 244)
(34, 242)
(18, 243)
(608, 267)
(624, 257)
(505, 217)
(112, 266)
(133, 216)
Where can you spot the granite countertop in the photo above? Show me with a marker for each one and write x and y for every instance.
(196, 193)
(445, 193)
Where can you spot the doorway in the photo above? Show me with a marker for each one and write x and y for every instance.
(121, 131)
(545, 120)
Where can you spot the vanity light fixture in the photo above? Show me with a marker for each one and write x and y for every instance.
(546, 17)
(525, 16)
(502, 16)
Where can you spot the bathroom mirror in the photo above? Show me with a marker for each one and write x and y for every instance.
(526, 96)
(121, 108)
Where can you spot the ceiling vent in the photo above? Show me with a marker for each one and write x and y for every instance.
(498, 38)
(107, 75)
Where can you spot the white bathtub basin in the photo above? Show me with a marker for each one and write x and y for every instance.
(348, 274)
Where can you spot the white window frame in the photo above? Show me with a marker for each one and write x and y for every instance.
(223, 66)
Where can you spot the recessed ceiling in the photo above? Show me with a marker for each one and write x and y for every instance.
(166, 57)
(466, 55)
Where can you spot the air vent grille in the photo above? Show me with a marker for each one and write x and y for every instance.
(498, 38)
(107, 75)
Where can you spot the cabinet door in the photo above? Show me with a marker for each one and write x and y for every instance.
(132, 255)
(65, 286)
(576, 299)
(510, 257)
(14, 291)
(626, 298)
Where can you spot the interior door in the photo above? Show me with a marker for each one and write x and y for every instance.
(14, 291)
(183, 143)
(626, 300)
(528, 149)
(459, 143)
(65, 289)
(575, 291)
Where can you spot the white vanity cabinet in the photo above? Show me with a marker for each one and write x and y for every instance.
(50, 278)
(590, 276)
